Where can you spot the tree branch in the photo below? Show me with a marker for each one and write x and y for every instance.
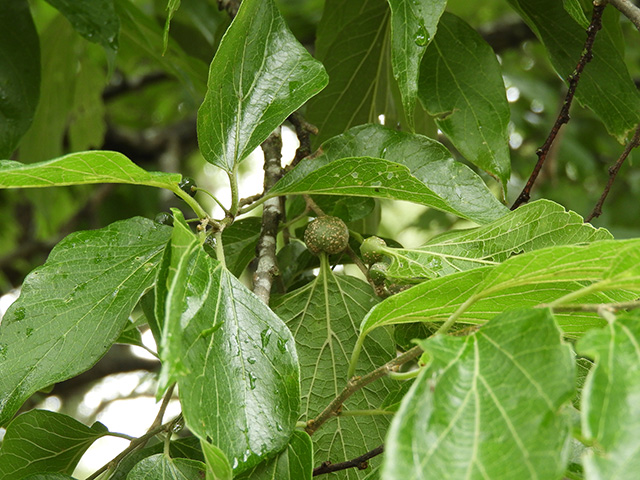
(563, 116)
(304, 130)
(357, 383)
(361, 463)
(267, 267)
(613, 172)
(629, 10)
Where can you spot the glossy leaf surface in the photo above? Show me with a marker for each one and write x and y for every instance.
(259, 76)
(49, 335)
(324, 317)
(294, 463)
(605, 84)
(610, 412)
(19, 73)
(413, 26)
(218, 467)
(42, 441)
(234, 360)
(240, 241)
(488, 405)
(163, 467)
(461, 84)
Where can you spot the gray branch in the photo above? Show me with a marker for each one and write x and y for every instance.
(629, 10)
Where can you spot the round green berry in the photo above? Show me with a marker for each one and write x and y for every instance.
(378, 272)
(326, 234)
(371, 249)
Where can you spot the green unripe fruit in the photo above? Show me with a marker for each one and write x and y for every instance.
(326, 234)
(371, 249)
(188, 185)
(378, 272)
(164, 218)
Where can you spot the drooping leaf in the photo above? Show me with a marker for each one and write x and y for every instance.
(19, 73)
(610, 412)
(372, 177)
(163, 467)
(602, 272)
(324, 317)
(428, 161)
(259, 76)
(413, 26)
(536, 225)
(461, 84)
(234, 360)
(488, 406)
(51, 334)
(172, 8)
(218, 467)
(605, 84)
(293, 463)
(352, 43)
(41, 441)
(83, 168)
(96, 20)
(240, 240)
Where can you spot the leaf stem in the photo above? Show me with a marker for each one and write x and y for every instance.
(189, 200)
(365, 413)
(215, 199)
(235, 195)
(593, 307)
(220, 249)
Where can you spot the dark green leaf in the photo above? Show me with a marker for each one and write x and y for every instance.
(574, 8)
(95, 20)
(48, 476)
(293, 463)
(352, 43)
(41, 441)
(19, 73)
(461, 83)
(324, 317)
(233, 358)
(172, 8)
(259, 76)
(488, 405)
(413, 26)
(240, 241)
(163, 467)
(605, 84)
(51, 334)
(610, 414)
(88, 125)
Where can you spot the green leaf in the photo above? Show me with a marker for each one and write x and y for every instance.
(163, 467)
(52, 334)
(218, 467)
(233, 358)
(293, 463)
(130, 335)
(605, 84)
(172, 8)
(461, 84)
(536, 225)
(83, 168)
(352, 43)
(48, 476)
(240, 240)
(428, 160)
(610, 413)
(488, 406)
(380, 178)
(574, 8)
(19, 73)
(413, 26)
(324, 317)
(602, 272)
(96, 20)
(41, 441)
(259, 76)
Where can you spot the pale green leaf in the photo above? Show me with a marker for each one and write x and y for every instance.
(602, 272)
(95, 20)
(19, 73)
(609, 406)
(605, 84)
(83, 168)
(163, 467)
(172, 8)
(489, 405)
(218, 467)
(428, 161)
(88, 125)
(293, 463)
(259, 76)
(324, 317)
(41, 441)
(52, 334)
(234, 360)
(574, 8)
(461, 84)
(536, 225)
(413, 26)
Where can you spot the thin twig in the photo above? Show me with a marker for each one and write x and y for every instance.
(613, 171)
(163, 407)
(250, 200)
(304, 130)
(357, 383)
(231, 6)
(595, 307)
(563, 116)
(629, 10)
(267, 267)
(361, 463)
(313, 205)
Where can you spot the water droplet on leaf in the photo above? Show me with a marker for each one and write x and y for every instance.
(265, 336)
(421, 37)
(252, 380)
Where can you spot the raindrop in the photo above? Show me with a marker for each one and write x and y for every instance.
(354, 174)
(421, 37)
(251, 360)
(389, 176)
(19, 314)
(3, 351)
(29, 332)
(252, 380)
(282, 345)
(265, 336)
